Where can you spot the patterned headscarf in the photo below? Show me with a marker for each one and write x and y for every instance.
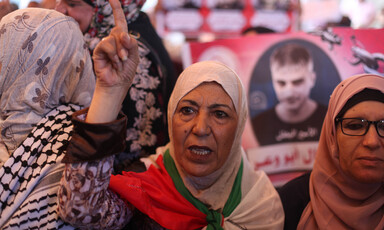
(103, 21)
(40, 70)
(338, 201)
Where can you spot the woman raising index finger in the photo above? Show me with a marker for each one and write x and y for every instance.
(148, 96)
(116, 59)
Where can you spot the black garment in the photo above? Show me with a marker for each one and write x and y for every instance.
(143, 26)
(295, 197)
(142, 221)
(146, 102)
(269, 129)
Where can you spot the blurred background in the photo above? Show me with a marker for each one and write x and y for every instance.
(180, 21)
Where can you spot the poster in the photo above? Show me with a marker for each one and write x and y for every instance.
(223, 18)
(334, 54)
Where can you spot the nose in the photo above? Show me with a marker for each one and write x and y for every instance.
(371, 138)
(201, 126)
(61, 7)
(289, 89)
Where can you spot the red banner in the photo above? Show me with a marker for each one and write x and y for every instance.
(281, 145)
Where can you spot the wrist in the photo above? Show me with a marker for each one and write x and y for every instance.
(106, 103)
(112, 90)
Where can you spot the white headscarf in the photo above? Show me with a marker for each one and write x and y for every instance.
(260, 205)
(35, 77)
(219, 180)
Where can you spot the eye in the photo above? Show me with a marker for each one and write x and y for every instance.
(298, 82)
(220, 114)
(186, 110)
(281, 83)
(380, 125)
(354, 124)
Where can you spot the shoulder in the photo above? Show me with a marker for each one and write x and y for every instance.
(294, 196)
(297, 186)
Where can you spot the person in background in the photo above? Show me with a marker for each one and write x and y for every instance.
(343, 22)
(229, 4)
(345, 189)
(362, 13)
(33, 4)
(201, 178)
(14, 6)
(45, 75)
(380, 18)
(147, 100)
(6, 7)
(257, 30)
(296, 117)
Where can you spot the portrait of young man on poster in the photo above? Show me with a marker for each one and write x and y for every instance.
(296, 116)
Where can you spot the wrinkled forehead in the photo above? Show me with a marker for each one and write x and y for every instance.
(209, 87)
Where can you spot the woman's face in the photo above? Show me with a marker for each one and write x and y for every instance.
(362, 157)
(203, 128)
(78, 10)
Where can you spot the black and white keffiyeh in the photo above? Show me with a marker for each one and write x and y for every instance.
(29, 180)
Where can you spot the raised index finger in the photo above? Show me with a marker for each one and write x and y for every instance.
(119, 16)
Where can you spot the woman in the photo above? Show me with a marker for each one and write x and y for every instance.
(200, 179)
(39, 92)
(346, 184)
(147, 100)
(45, 68)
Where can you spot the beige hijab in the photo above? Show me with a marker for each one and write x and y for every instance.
(207, 189)
(260, 206)
(36, 77)
(337, 201)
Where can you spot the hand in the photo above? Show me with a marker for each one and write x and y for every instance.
(116, 56)
(115, 60)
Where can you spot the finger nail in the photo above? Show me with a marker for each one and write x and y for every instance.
(124, 55)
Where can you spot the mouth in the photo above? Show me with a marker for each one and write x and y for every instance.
(291, 100)
(200, 154)
(200, 150)
(371, 161)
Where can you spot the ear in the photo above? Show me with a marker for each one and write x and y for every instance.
(312, 77)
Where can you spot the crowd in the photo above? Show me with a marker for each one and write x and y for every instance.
(97, 132)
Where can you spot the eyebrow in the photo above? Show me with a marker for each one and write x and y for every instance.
(213, 106)
(298, 80)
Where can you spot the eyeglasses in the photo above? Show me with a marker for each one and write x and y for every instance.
(359, 127)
